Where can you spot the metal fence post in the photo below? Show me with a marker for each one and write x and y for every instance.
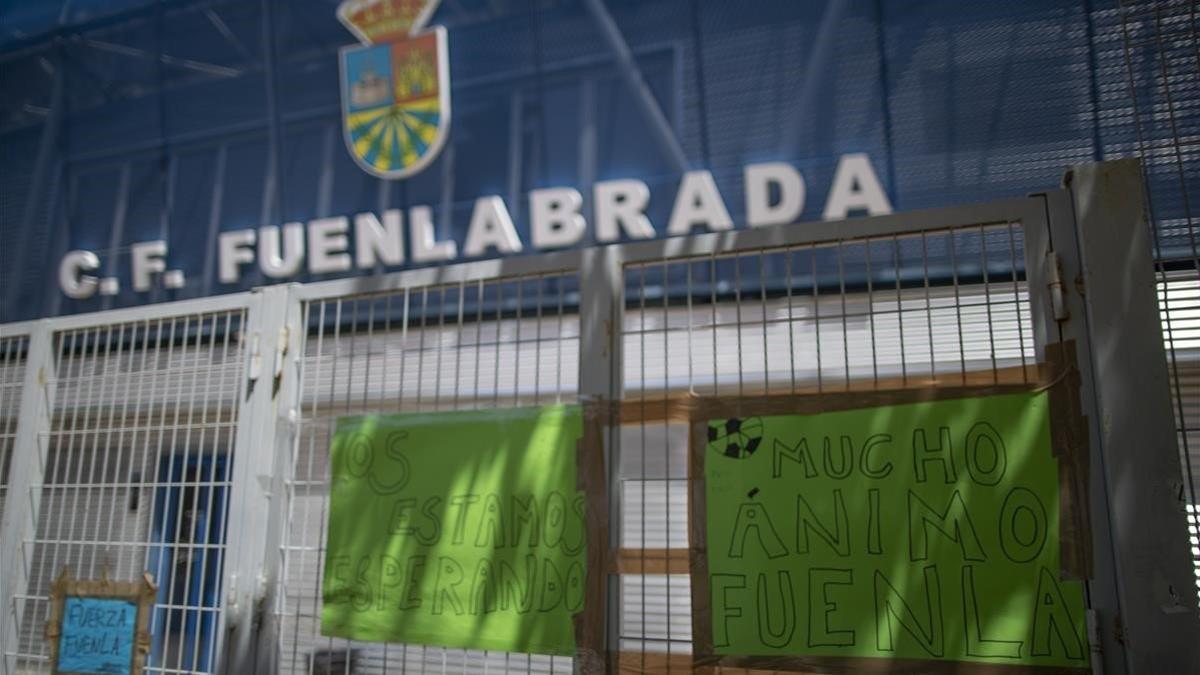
(24, 500)
(601, 312)
(1136, 468)
(1052, 265)
(256, 496)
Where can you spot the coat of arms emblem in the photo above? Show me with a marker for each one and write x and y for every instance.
(395, 85)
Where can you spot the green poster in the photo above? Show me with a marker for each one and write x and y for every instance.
(461, 529)
(920, 531)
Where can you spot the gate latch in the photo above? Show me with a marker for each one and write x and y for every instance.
(255, 368)
(1058, 291)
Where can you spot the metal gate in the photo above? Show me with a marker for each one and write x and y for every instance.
(457, 339)
(191, 439)
(123, 456)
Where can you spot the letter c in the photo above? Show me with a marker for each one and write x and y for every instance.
(71, 279)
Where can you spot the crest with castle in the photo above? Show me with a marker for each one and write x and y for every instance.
(394, 85)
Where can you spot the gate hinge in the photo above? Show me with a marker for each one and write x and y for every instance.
(231, 597)
(255, 368)
(1058, 290)
(281, 350)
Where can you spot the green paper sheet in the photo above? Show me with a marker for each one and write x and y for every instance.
(921, 531)
(460, 529)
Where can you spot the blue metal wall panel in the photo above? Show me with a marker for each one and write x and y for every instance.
(954, 102)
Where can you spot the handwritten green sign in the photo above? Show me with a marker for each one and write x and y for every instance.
(461, 529)
(920, 531)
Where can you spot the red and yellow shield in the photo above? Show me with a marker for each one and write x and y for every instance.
(395, 86)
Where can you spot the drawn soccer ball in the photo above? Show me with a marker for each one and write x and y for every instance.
(737, 438)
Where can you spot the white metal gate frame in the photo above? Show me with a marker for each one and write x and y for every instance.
(1141, 565)
(27, 475)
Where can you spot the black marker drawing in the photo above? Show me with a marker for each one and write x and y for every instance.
(736, 438)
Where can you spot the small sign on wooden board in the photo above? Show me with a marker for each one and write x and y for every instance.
(99, 625)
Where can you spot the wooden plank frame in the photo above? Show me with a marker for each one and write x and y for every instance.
(675, 408)
(1060, 378)
(141, 593)
(589, 623)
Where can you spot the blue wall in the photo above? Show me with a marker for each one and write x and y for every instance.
(955, 101)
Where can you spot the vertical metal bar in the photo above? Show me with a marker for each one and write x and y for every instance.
(558, 390)
(105, 480)
(116, 228)
(479, 295)
(588, 141)
(49, 495)
(22, 502)
(319, 363)
(1130, 392)
(458, 339)
(1012, 264)
(816, 287)
(632, 75)
(229, 450)
(962, 350)
(496, 342)
(420, 349)
(516, 121)
(762, 294)
(174, 499)
(602, 306)
(79, 453)
(537, 344)
(871, 315)
(266, 424)
(737, 306)
(666, 429)
(366, 389)
(712, 306)
(1193, 251)
(691, 380)
(210, 484)
(642, 396)
(437, 346)
(132, 425)
(841, 269)
(517, 344)
(273, 194)
(928, 307)
(791, 320)
(42, 167)
(404, 321)
(418, 396)
(987, 302)
(1168, 312)
(162, 367)
(188, 478)
(347, 399)
(1038, 238)
(1051, 227)
(215, 213)
(899, 310)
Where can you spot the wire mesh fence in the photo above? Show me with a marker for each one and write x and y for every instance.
(12, 374)
(138, 458)
(843, 316)
(135, 478)
(499, 343)
(136, 461)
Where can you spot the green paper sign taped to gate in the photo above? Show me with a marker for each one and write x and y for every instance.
(920, 531)
(460, 529)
